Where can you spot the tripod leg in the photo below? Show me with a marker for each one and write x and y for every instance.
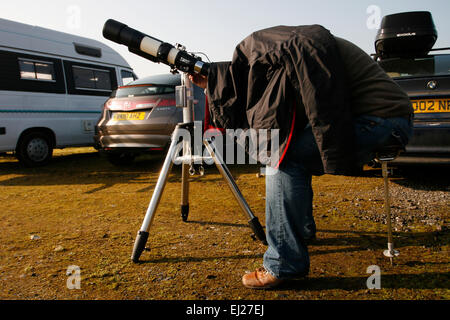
(143, 234)
(185, 191)
(226, 174)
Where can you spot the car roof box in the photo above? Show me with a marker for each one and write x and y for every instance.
(405, 34)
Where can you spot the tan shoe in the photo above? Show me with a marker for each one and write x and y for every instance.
(260, 279)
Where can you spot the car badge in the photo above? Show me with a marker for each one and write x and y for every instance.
(127, 105)
(432, 85)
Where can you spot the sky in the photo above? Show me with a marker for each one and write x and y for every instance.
(215, 27)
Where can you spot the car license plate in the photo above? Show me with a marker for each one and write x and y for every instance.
(119, 116)
(431, 105)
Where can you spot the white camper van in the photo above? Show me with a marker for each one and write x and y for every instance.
(52, 89)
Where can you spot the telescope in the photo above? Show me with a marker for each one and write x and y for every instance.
(153, 49)
(179, 60)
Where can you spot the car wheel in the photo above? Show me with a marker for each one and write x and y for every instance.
(121, 159)
(34, 149)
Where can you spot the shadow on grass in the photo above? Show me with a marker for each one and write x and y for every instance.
(417, 177)
(200, 259)
(222, 224)
(428, 178)
(378, 240)
(426, 280)
(361, 242)
(81, 162)
(92, 168)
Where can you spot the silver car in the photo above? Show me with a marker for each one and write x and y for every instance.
(141, 116)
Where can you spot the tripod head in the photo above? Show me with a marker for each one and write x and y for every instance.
(153, 49)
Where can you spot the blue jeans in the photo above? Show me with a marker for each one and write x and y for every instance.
(289, 195)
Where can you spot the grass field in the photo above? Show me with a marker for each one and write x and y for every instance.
(80, 210)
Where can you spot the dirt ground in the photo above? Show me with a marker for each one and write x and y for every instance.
(82, 211)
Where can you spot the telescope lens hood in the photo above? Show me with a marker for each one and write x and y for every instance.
(153, 49)
(112, 29)
(120, 33)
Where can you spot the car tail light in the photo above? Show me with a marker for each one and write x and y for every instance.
(132, 104)
(108, 104)
(111, 105)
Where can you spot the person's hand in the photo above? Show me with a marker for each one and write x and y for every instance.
(199, 80)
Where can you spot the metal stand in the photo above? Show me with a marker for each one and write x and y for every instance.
(391, 154)
(390, 252)
(185, 99)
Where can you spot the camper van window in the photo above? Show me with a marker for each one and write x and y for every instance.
(91, 79)
(102, 80)
(127, 77)
(36, 70)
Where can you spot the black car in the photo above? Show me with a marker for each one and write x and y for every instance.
(427, 82)
(404, 50)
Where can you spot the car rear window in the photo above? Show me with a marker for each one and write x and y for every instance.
(137, 91)
(417, 67)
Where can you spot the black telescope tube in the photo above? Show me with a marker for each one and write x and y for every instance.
(120, 33)
(152, 48)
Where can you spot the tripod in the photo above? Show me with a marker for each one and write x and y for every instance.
(185, 99)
